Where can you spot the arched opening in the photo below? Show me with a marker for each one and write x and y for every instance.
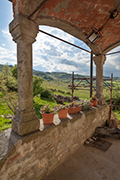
(112, 64)
(53, 55)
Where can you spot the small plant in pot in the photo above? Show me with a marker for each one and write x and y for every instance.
(86, 105)
(47, 114)
(62, 110)
(74, 107)
(94, 100)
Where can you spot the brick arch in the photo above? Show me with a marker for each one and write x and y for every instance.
(69, 28)
(84, 15)
(111, 47)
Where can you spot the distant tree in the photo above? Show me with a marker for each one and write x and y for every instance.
(6, 72)
(9, 80)
(3, 87)
(37, 88)
(14, 71)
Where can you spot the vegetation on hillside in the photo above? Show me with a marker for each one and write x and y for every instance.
(45, 87)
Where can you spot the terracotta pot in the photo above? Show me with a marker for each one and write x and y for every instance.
(91, 105)
(63, 113)
(74, 110)
(94, 102)
(48, 118)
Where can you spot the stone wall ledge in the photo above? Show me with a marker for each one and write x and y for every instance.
(53, 144)
(9, 138)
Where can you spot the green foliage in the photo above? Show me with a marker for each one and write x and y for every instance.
(4, 111)
(116, 92)
(3, 87)
(6, 71)
(46, 109)
(1, 67)
(46, 94)
(117, 114)
(11, 84)
(9, 81)
(14, 71)
(38, 103)
(37, 88)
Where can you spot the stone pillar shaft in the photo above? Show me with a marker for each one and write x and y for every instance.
(24, 67)
(99, 62)
(24, 32)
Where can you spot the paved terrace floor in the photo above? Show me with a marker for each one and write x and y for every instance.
(89, 163)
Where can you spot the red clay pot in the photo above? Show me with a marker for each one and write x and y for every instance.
(74, 110)
(91, 105)
(63, 113)
(48, 118)
(94, 102)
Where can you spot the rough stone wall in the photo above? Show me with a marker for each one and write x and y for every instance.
(37, 154)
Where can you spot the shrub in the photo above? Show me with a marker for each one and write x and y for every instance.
(46, 94)
(37, 88)
(14, 71)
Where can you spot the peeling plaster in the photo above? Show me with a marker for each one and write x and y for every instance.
(61, 6)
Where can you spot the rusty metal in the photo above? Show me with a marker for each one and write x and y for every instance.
(91, 74)
(115, 105)
(111, 96)
(72, 85)
(75, 86)
(84, 78)
(38, 7)
(64, 41)
(113, 53)
(111, 89)
(106, 84)
(115, 99)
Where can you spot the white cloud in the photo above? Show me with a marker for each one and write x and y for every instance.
(50, 54)
(7, 56)
(55, 55)
(7, 49)
(112, 64)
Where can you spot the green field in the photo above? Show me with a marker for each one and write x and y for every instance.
(38, 102)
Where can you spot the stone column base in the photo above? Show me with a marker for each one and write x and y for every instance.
(101, 101)
(25, 122)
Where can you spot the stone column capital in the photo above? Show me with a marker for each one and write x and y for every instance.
(99, 60)
(23, 29)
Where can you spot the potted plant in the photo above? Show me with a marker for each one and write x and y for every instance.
(74, 107)
(94, 100)
(47, 114)
(86, 105)
(62, 110)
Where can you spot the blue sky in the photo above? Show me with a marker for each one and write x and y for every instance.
(50, 54)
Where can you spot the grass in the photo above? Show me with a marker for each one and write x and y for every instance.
(38, 102)
(117, 114)
(4, 111)
(64, 87)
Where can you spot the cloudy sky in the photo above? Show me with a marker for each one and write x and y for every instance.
(50, 54)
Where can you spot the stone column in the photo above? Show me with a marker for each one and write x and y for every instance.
(24, 32)
(99, 62)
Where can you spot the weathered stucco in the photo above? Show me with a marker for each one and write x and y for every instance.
(37, 154)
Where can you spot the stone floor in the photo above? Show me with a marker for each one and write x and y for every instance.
(89, 163)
